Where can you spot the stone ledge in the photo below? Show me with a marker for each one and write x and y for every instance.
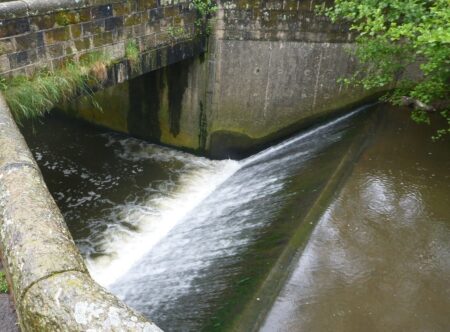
(27, 8)
(11, 141)
(34, 239)
(71, 301)
(40, 7)
(13, 9)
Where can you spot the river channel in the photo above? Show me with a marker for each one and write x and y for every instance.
(190, 241)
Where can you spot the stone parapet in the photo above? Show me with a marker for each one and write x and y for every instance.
(38, 34)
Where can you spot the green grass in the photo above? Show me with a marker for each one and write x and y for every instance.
(177, 32)
(3, 283)
(33, 97)
(132, 51)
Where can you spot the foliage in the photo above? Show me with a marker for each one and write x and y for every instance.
(132, 51)
(396, 37)
(62, 19)
(34, 96)
(205, 10)
(177, 32)
(3, 283)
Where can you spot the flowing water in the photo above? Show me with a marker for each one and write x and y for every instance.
(188, 241)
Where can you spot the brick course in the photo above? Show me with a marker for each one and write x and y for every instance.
(45, 33)
(279, 20)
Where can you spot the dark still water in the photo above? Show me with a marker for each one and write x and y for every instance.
(188, 241)
(379, 258)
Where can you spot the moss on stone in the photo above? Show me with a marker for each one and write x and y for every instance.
(3, 283)
(113, 110)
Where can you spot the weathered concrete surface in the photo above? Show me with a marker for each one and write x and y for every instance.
(264, 87)
(275, 69)
(35, 240)
(164, 106)
(50, 283)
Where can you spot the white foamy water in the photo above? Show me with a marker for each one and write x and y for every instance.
(170, 233)
(179, 281)
(141, 225)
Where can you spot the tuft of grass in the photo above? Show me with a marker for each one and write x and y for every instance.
(177, 32)
(3, 283)
(33, 97)
(132, 51)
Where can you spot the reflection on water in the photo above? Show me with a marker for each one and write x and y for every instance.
(379, 259)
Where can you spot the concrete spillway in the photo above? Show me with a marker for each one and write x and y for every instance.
(203, 233)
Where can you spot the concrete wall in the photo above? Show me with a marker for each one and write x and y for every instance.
(164, 106)
(50, 284)
(276, 67)
(271, 69)
(46, 33)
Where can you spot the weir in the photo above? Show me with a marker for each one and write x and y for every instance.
(197, 221)
(200, 180)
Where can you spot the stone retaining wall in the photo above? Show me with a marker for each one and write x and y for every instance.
(48, 278)
(280, 62)
(274, 20)
(46, 33)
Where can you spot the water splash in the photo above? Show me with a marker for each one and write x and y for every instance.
(142, 224)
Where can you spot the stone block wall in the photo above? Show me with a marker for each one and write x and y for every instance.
(278, 20)
(46, 33)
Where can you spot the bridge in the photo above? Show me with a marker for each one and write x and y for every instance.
(37, 34)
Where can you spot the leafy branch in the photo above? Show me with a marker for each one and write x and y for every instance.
(403, 46)
(205, 11)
